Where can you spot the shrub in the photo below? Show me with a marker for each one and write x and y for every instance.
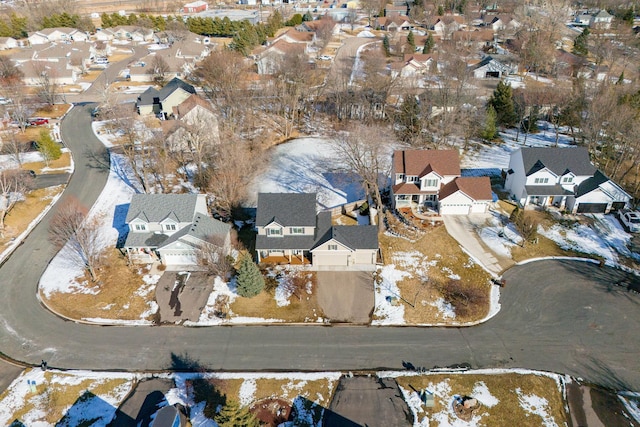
(249, 280)
(463, 298)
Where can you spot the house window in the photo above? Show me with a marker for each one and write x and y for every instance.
(541, 180)
(402, 197)
(170, 227)
(412, 179)
(430, 182)
(567, 180)
(296, 230)
(400, 177)
(274, 231)
(141, 227)
(333, 247)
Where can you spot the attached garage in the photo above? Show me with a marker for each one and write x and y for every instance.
(330, 258)
(460, 209)
(592, 208)
(179, 258)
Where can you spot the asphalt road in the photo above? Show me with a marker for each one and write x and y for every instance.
(50, 180)
(556, 315)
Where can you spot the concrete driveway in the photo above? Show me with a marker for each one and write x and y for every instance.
(367, 401)
(346, 296)
(464, 228)
(182, 295)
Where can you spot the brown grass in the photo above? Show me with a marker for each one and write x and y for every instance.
(344, 220)
(264, 304)
(508, 411)
(117, 296)
(435, 245)
(63, 162)
(52, 112)
(26, 211)
(54, 399)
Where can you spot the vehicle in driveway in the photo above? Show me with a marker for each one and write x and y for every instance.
(630, 220)
(38, 121)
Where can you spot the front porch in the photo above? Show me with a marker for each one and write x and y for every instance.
(539, 201)
(281, 259)
(142, 255)
(416, 201)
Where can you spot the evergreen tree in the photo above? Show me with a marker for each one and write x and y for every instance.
(429, 43)
(48, 148)
(440, 10)
(620, 79)
(409, 118)
(490, 131)
(250, 281)
(232, 415)
(385, 45)
(307, 17)
(580, 44)
(502, 102)
(411, 41)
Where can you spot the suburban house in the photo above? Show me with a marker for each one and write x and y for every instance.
(501, 22)
(271, 59)
(290, 231)
(153, 101)
(430, 179)
(171, 228)
(413, 65)
(199, 125)
(490, 66)
(8, 43)
(60, 34)
(444, 26)
(564, 178)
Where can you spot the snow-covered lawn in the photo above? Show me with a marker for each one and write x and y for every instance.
(309, 165)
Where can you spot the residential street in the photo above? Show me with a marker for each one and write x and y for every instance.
(556, 315)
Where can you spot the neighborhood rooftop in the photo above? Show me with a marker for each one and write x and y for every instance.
(290, 209)
(421, 162)
(557, 160)
(157, 207)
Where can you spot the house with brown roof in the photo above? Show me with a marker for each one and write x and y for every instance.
(444, 26)
(270, 59)
(413, 65)
(431, 179)
(194, 125)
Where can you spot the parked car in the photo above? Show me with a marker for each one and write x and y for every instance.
(5, 101)
(38, 121)
(630, 220)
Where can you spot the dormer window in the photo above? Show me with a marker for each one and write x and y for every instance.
(400, 177)
(567, 180)
(140, 227)
(430, 182)
(412, 178)
(170, 227)
(274, 231)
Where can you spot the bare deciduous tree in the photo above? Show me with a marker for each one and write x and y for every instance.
(158, 69)
(212, 257)
(365, 151)
(78, 236)
(46, 83)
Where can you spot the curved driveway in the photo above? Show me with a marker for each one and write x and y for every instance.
(556, 316)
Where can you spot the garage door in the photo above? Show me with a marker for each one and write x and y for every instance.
(592, 207)
(479, 208)
(180, 259)
(329, 259)
(454, 209)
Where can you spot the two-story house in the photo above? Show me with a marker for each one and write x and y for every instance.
(174, 93)
(561, 177)
(432, 179)
(171, 228)
(290, 231)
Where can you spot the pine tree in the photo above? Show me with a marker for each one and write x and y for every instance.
(490, 131)
(232, 415)
(429, 43)
(411, 41)
(409, 118)
(502, 102)
(385, 45)
(249, 280)
(580, 44)
(48, 148)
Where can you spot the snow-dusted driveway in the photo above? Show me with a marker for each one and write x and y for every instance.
(464, 228)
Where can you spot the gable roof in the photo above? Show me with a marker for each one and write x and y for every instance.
(173, 85)
(201, 228)
(189, 104)
(352, 236)
(287, 209)
(601, 181)
(558, 160)
(156, 207)
(476, 187)
(421, 162)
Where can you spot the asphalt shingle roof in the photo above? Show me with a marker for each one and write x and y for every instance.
(557, 160)
(156, 207)
(476, 187)
(352, 236)
(287, 209)
(421, 162)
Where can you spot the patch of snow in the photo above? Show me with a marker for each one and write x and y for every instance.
(247, 392)
(536, 405)
(484, 396)
(580, 238)
(446, 309)
(365, 33)
(389, 308)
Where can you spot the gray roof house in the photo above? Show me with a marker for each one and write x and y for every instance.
(290, 231)
(153, 101)
(170, 228)
(561, 177)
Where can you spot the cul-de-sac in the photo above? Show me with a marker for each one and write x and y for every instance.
(318, 213)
